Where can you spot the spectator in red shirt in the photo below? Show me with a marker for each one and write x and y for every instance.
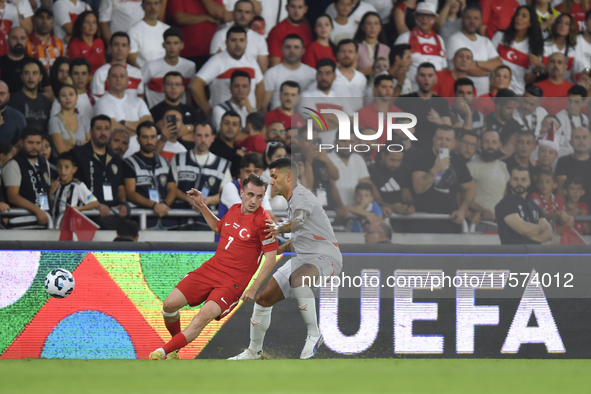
(255, 142)
(578, 9)
(555, 85)
(552, 204)
(85, 41)
(574, 190)
(382, 103)
(496, 15)
(501, 80)
(462, 61)
(198, 20)
(321, 48)
(293, 24)
(289, 94)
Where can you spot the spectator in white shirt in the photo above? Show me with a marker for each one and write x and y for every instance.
(359, 8)
(240, 86)
(400, 62)
(118, 15)
(572, 118)
(65, 13)
(80, 74)
(147, 35)
(216, 73)
(25, 14)
(125, 110)
(352, 171)
(119, 49)
(485, 56)
(153, 72)
(583, 48)
(291, 69)
(426, 45)
(244, 12)
(530, 113)
(349, 82)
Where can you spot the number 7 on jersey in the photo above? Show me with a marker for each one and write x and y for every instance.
(230, 239)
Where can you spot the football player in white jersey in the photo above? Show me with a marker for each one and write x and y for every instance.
(318, 256)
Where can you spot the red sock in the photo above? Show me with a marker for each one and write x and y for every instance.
(177, 342)
(173, 328)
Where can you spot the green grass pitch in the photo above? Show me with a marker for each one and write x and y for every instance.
(416, 376)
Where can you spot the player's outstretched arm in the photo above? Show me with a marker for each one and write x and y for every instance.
(270, 260)
(199, 203)
(298, 220)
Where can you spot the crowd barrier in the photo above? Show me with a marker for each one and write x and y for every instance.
(115, 309)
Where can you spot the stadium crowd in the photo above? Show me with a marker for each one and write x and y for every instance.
(120, 105)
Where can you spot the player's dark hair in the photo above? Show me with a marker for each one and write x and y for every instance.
(30, 131)
(232, 114)
(472, 7)
(35, 62)
(79, 61)
(520, 168)
(534, 90)
(172, 74)
(463, 82)
(251, 158)
(577, 90)
(347, 41)
(256, 120)
(398, 51)
(506, 93)
(504, 67)
(255, 180)
(173, 32)
(326, 62)
(127, 229)
(97, 118)
(147, 124)
(546, 172)
(238, 74)
(574, 181)
(119, 34)
(426, 65)
(385, 77)
(324, 16)
(445, 127)
(236, 30)
(290, 84)
(468, 132)
(293, 37)
(525, 133)
(364, 186)
(69, 156)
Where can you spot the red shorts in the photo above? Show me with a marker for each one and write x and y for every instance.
(200, 285)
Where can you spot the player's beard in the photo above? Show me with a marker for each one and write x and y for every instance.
(519, 190)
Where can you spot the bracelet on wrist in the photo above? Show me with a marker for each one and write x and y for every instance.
(154, 206)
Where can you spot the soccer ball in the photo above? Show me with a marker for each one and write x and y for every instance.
(59, 283)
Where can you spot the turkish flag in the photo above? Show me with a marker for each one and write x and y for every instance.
(571, 237)
(76, 226)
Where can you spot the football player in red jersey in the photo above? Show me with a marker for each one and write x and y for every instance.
(221, 281)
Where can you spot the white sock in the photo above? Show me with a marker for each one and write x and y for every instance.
(307, 304)
(259, 323)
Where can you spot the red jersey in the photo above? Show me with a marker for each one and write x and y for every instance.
(196, 37)
(484, 103)
(277, 116)
(554, 204)
(580, 226)
(253, 143)
(316, 51)
(497, 15)
(445, 84)
(578, 13)
(95, 54)
(554, 106)
(282, 30)
(242, 244)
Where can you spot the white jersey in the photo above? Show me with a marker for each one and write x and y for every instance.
(362, 8)
(219, 110)
(482, 50)
(99, 85)
(531, 122)
(343, 32)
(24, 8)
(256, 45)
(439, 60)
(276, 75)
(349, 175)
(317, 100)
(153, 76)
(551, 48)
(568, 124)
(516, 57)
(75, 193)
(66, 11)
(353, 91)
(146, 41)
(582, 55)
(383, 8)
(129, 108)
(273, 12)
(217, 71)
(10, 18)
(83, 106)
(120, 13)
(317, 235)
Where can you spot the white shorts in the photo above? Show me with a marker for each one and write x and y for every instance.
(326, 265)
